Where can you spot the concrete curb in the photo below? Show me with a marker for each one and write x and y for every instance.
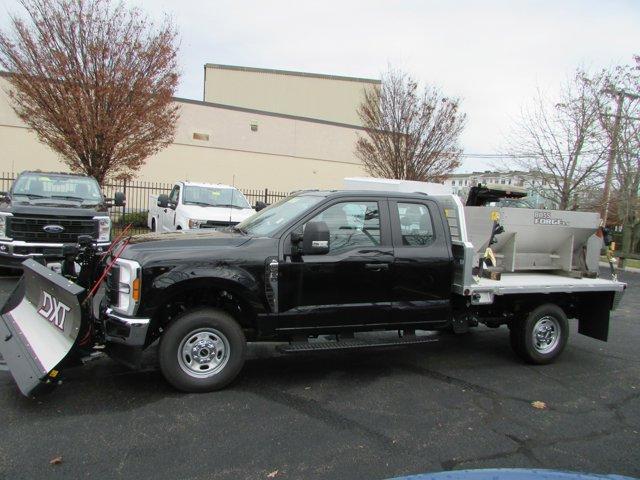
(625, 269)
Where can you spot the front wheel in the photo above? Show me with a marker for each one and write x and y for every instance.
(202, 351)
(541, 336)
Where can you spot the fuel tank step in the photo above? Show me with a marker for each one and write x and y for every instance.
(349, 344)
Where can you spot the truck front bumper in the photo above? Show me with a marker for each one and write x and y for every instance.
(14, 252)
(118, 328)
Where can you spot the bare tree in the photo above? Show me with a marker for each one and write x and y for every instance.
(618, 94)
(411, 133)
(94, 80)
(560, 143)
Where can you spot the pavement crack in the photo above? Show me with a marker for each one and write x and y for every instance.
(442, 377)
(314, 409)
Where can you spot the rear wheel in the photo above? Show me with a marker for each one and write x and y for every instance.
(202, 351)
(541, 336)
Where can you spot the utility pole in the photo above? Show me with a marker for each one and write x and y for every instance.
(611, 157)
(613, 148)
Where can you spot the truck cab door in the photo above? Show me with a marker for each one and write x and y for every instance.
(422, 269)
(350, 285)
(168, 214)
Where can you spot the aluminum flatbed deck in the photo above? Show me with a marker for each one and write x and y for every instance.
(526, 282)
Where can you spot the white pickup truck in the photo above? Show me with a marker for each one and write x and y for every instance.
(198, 205)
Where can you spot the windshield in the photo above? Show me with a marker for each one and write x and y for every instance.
(44, 185)
(214, 197)
(267, 221)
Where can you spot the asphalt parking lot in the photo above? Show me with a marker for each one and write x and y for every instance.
(463, 402)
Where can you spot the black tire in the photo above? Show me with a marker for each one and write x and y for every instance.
(548, 320)
(209, 324)
(153, 224)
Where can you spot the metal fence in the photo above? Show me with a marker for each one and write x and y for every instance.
(137, 195)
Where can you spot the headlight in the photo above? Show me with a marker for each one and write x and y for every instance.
(3, 225)
(195, 223)
(129, 285)
(104, 228)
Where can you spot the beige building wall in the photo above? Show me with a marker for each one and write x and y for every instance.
(257, 149)
(324, 97)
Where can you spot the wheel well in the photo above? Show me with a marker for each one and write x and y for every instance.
(202, 293)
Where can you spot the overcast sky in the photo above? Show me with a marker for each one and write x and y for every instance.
(492, 54)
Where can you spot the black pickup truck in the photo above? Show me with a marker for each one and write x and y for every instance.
(312, 271)
(45, 210)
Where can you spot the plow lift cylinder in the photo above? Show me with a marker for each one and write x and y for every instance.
(39, 326)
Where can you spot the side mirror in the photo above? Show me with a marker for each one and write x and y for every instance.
(315, 240)
(260, 205)
(119, 199)
(163, 200)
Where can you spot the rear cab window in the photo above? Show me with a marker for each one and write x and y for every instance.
(414, 227)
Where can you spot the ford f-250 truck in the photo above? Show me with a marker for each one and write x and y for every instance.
(45, 210)
(192, 205)
(318, 263)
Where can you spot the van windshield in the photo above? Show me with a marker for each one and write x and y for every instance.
(267, 221)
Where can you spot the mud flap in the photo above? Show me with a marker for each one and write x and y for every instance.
(594, 315)
(39, 326)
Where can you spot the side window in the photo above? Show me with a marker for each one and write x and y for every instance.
(416, 228)
(175, 193)
(352, 225)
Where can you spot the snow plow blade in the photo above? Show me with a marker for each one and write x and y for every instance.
(39, 326)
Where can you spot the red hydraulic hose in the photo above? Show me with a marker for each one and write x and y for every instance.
(125, 230)
(106, 272)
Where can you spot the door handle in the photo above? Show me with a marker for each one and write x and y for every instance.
(376, 267)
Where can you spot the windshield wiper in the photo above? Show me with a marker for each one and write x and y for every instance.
(228, 205)
(31, 195)
(202, 204)
(69, 197)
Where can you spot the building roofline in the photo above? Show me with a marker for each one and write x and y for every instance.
(267, 113)
(248, 110)
(292, 73)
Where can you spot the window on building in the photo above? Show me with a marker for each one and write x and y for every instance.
(201, 136)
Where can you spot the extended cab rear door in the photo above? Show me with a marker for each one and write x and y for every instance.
(422, 269)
